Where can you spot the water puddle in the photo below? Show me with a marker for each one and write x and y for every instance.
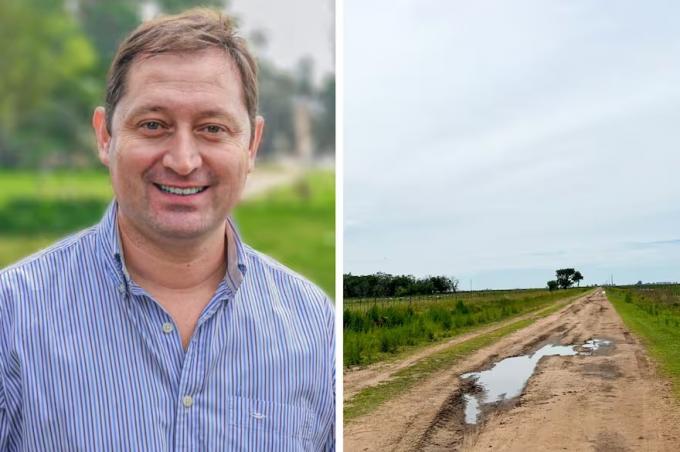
(471, 409)
(507, 378)
(595, 344)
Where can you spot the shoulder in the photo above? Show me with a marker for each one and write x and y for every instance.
(267, 271)
(38, 270)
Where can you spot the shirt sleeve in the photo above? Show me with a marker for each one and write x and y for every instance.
(330, 440)
(4, 420)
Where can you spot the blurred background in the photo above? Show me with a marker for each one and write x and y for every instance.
(54, 55)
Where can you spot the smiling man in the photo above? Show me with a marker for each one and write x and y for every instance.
(157, 329)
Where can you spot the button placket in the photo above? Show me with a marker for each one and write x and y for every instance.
(190, 377)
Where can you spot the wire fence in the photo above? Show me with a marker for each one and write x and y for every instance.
(422, 301)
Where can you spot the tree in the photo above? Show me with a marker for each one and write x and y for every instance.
(454, 284)
(43, 55)
(440, 284)
(324, 122)
(577, 277)
(386, 285)
(564, 277)
(552, 285)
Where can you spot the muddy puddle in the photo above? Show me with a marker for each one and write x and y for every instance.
(506, 379)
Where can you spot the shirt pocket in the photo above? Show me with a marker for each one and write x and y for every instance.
(270, 418)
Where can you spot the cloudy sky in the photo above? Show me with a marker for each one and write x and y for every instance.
(498, 141)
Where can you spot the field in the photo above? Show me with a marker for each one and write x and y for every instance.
(293, 224)
(582, 396)
(653, 313)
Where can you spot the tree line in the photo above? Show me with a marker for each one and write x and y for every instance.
(55, 55)
(385, 285)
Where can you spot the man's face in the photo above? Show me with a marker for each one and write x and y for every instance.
(180, 148)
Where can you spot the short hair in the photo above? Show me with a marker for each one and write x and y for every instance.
(193, 30)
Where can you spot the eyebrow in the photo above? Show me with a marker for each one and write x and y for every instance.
(141, 110)
(210, 113)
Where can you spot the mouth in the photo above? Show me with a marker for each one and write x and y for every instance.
(181, 191)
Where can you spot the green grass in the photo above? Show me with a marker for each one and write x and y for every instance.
(378, 331)
(653, 314)
(37, 209)
(60, 185)
(294, 225)
(370, 398)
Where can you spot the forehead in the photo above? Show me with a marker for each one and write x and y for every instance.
(206, 78)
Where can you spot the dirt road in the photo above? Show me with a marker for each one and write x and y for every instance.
(267, 178)
(610, 400)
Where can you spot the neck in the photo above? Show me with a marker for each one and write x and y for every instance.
(173, 265)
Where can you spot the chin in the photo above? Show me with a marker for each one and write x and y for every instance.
(185, 227)
(181, 233)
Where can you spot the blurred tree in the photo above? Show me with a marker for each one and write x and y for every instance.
(304, 77)
(276, 106)
(42, 54)
(106, 22)
(552, 285)
(324, 123)
(175, 6)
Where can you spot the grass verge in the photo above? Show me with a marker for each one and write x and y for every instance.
(654, 317)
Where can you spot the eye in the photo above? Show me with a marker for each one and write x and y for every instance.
(151, 125)
(152, 128)
(213, 129)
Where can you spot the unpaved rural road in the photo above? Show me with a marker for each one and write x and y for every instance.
(609, 401)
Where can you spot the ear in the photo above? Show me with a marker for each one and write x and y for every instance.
(102, 134)
(255, 142)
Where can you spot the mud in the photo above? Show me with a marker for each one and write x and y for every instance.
(604, 399)
(506, 379)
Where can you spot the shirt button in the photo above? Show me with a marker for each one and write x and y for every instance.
(121, 288)
(187, 401)
(168, 328)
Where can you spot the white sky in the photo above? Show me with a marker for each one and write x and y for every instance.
(294, 29)
(498, 141)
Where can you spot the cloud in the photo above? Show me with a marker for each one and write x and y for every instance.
(653, 244)
(522, 136)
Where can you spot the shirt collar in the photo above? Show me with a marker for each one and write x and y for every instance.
(112, 252)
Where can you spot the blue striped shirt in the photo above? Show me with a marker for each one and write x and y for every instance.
(89, 361)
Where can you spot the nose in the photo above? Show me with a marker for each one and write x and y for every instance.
(183, 156)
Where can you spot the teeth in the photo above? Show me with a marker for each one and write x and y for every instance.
(181, 191)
